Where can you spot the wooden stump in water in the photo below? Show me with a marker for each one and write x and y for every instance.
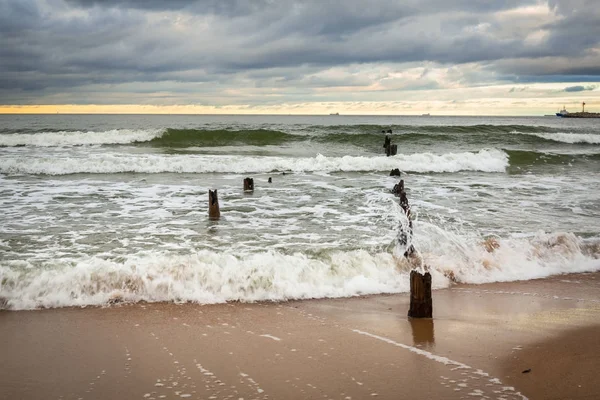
(398, 187)
(393, 149)
(248, 185)
(387, 142)
(421, 304)
(395, 172)
(213, 205)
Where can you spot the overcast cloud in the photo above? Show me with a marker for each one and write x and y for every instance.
(256, 52)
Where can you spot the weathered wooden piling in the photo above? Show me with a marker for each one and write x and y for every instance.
(421, 304)
(391, 150)
(406, 235)
(270, 180)
(213, 205)
(398, 188)
(395, 172)
(387, 142)
(248, 184)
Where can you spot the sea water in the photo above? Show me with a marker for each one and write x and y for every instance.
(97, 208)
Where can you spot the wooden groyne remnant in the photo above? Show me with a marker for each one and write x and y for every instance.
(213, 205)
(390, 149)
(248, 185)
(421, 303)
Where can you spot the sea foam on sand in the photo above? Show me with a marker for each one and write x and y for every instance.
(215, 277)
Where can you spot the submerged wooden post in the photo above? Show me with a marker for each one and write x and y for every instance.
(213, 205)
(395, 172)
(421, 305)
(393, 149)
(398, 188)
(248, 184)
(387, 142)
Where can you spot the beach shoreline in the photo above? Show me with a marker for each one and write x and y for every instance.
(480, 341)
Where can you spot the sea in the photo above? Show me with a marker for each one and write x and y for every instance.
(104, 209)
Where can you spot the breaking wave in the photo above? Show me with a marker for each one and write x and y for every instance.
(215, 277)
(358, 135)
(484, 160)
(78, 138)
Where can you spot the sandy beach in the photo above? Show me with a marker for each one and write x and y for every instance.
(480, 342)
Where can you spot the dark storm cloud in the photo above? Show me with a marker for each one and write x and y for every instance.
(57, 46)
(579, 88)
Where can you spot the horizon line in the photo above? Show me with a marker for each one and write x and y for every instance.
(285, 115)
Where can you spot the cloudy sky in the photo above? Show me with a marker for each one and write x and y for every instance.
(315, 56)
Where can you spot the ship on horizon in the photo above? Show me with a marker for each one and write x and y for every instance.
(582, 114)
(562, 112)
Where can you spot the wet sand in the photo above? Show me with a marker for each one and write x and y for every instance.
(479, 343)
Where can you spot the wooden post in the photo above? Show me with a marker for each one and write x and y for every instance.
(421, 305)
(387, 145)
(387, 142)
(398, 188)
(393, 149)
(213, 205)
(395, 172)
(270, 180)
(248, 185)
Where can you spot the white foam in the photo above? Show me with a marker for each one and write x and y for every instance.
(485, 160)
(563, 137)
(465, 259)
(79, 138)
(440, 359)
(272, 337)
(215, 277)
(205, 277)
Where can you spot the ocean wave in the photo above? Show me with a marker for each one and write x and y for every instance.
(469, 258)
(563, 137)
(484, 160)
(358, 135)
(78, 138)
(214, 277)
(222, 137)
(204, 277)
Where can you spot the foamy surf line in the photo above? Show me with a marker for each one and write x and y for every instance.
(484, 160)
(206, 277)
(210, 277)
(563, 137)
(476, 373)
(79, 138)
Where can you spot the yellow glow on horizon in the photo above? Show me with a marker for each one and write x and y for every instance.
(518, 105)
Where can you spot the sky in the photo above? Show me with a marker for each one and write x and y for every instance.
(392, 57)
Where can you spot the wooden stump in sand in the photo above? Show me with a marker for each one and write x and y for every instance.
(213, 205)
(248, 185)
(421, 304)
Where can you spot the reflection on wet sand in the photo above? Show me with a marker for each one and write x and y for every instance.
(422, 332)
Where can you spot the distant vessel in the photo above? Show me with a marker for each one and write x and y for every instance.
(334, 114)
(562, 112)
(583, 114)
(425, 115)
